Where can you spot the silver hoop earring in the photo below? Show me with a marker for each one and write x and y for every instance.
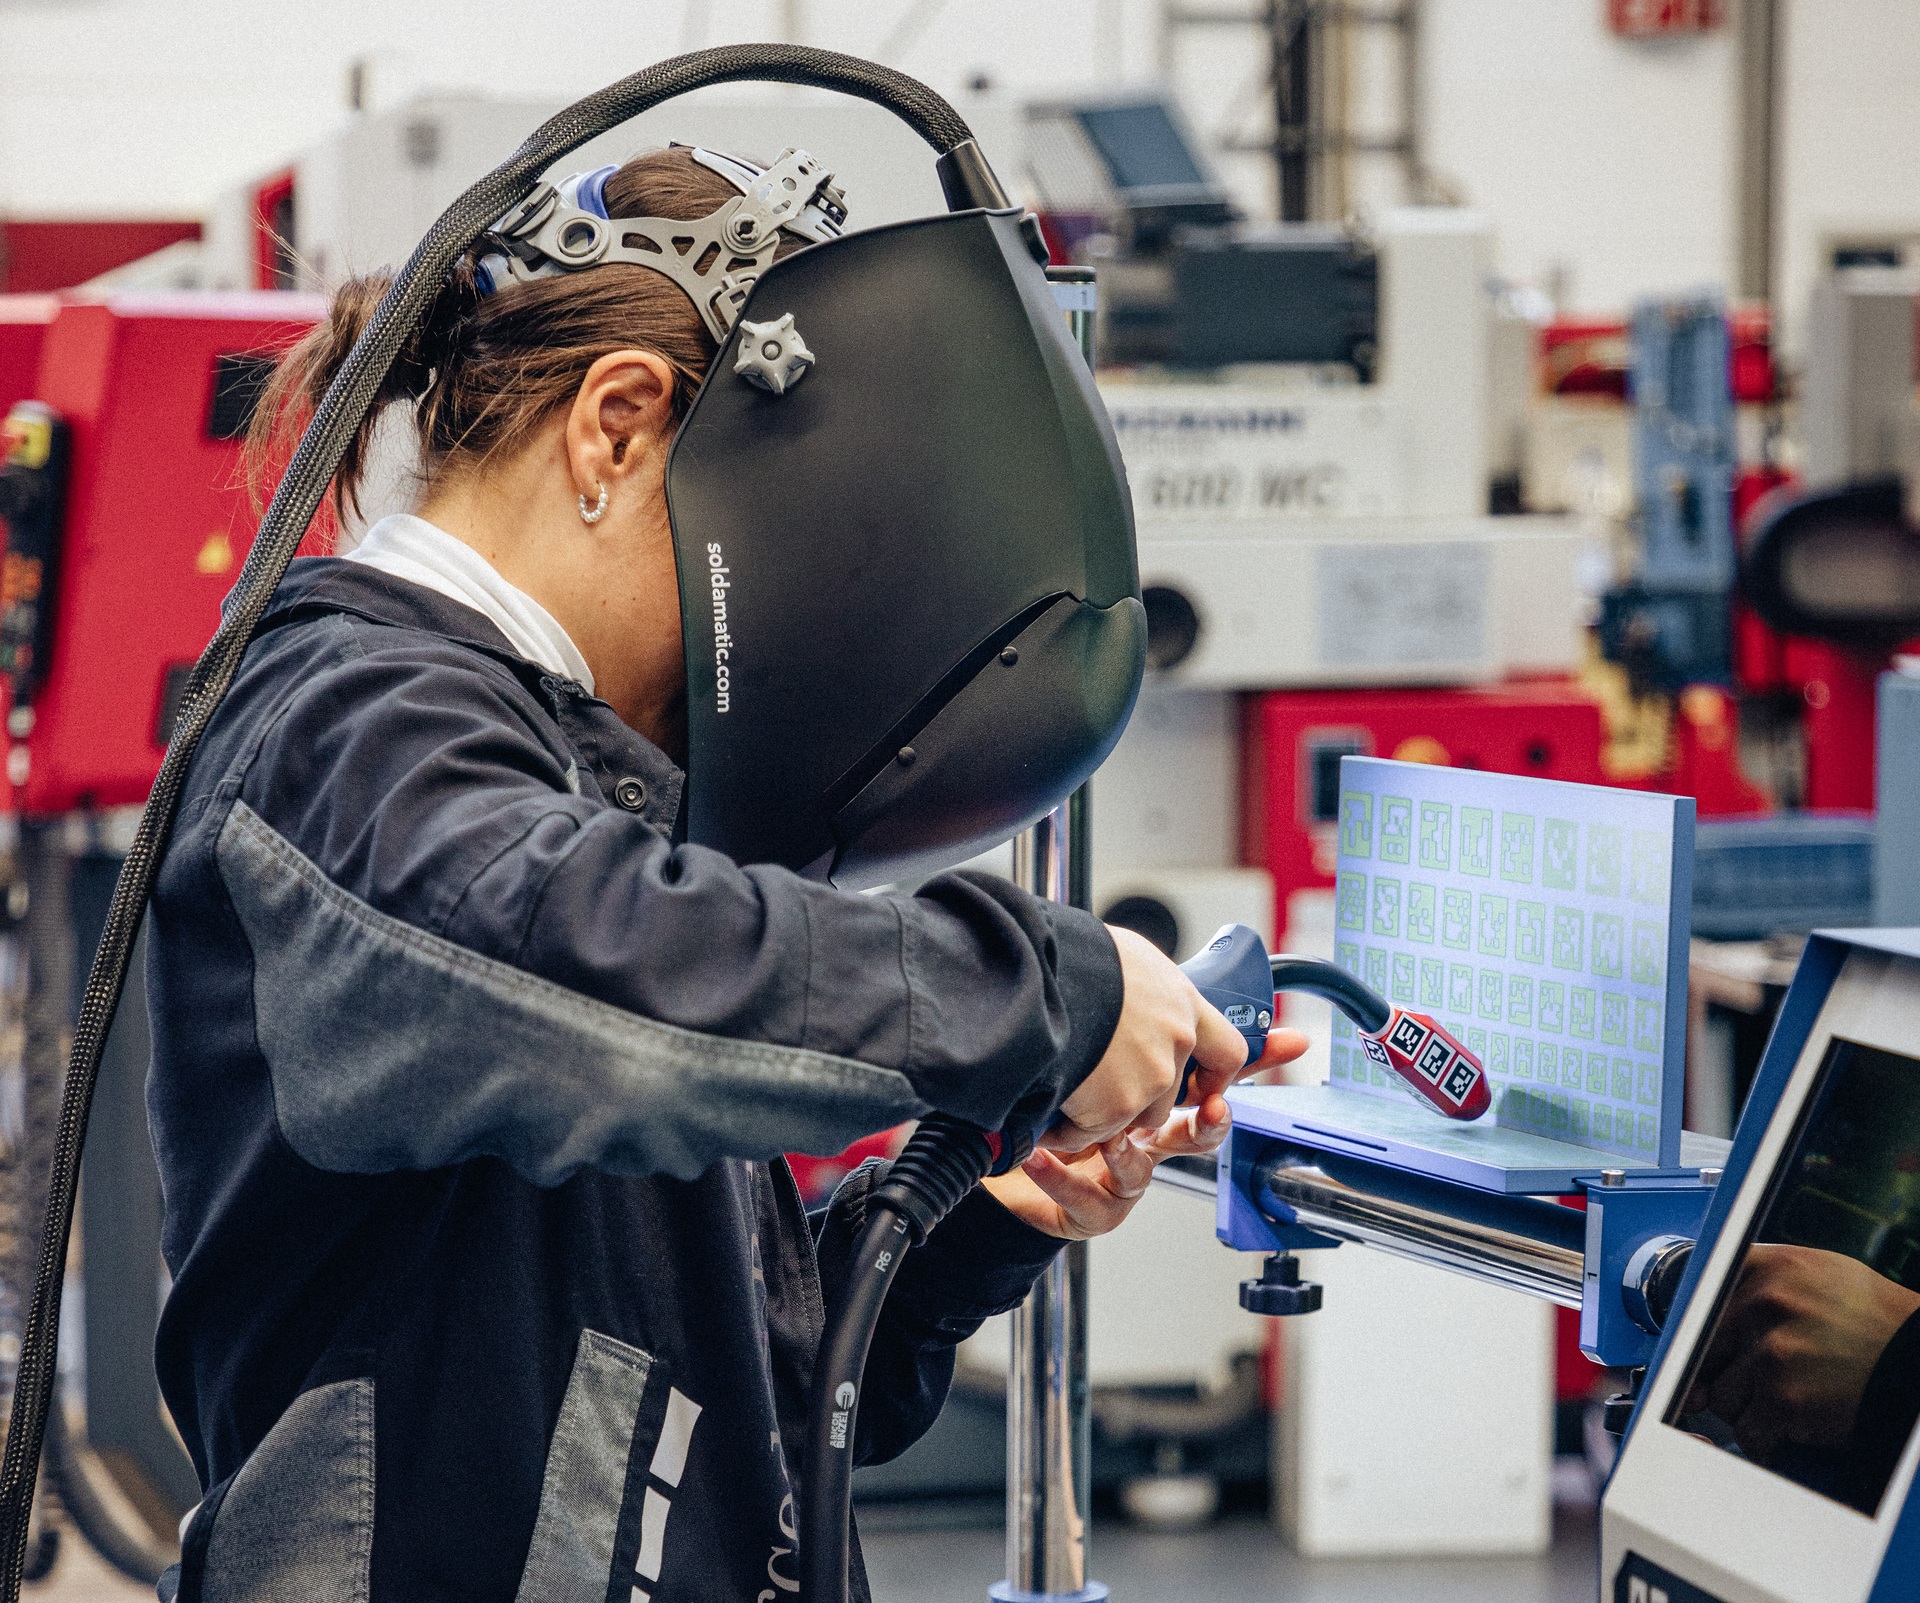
(600, 507)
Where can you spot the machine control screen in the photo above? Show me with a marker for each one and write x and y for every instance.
(1811, 1365)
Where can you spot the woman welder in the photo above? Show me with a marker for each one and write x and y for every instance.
(460, 1059)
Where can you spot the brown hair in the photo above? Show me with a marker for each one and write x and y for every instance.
(482, 373)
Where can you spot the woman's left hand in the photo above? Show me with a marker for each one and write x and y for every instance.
(1087, 1193)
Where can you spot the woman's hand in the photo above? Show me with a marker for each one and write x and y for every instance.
(1088, 1193)
(1163, 1022)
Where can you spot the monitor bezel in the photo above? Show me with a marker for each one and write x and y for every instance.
(1695, 1502)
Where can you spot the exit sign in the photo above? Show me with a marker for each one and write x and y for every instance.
(1649, 19)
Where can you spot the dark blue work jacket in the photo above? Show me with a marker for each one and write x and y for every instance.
(469, 1090)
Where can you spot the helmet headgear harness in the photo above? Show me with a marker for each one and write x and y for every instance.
(716, 259)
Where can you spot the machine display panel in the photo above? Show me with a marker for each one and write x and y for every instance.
(1811, 1365)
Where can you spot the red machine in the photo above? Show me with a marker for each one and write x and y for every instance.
(154, 393)
(23, 330)
(1293, 740)
(59, 253)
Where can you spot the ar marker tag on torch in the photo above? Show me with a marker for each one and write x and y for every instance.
(1444, 1074)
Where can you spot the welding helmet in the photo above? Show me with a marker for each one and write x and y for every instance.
(908, 591)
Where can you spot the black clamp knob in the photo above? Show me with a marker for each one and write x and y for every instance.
(1280, 1290)
(1617, 1411)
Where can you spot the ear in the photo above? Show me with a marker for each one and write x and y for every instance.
(624, 408)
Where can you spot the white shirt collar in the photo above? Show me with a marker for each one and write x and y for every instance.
(413, 549)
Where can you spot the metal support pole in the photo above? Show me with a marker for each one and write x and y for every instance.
(1049, 1415)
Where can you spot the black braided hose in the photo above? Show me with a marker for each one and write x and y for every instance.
(298, 497)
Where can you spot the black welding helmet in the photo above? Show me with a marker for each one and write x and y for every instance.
(907, 579)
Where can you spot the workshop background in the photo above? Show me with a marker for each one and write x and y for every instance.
(1461, 353)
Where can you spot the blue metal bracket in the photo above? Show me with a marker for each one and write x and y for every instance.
(1621, 1219)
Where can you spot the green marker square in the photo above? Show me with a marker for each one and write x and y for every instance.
(1570, 1070)
(1396, 829)
(1622, 1080)
(1522, 1059)
(1386, 907)
(1613, 1018)
(1559, 1123)
(1580, 1012)
(1560, 855)
(1597, 1073)
(1648, 1090)
(1493, 985)
(1476, 841)
(1356, 823)
(1646, 1025)
(1456, 919)
(1422, 911)
(1492, 928)
(1547, 1066)
(1569, 938)
(1609, 945)
(1520, 1000)
(1553, 1006)
(1530, 932)
(1606, 860)
(1377, 968)
(1433, 983)
(1651, 879)
(1497, 1058)
(1347, 955)
(1643, 1137)
(1602, 1122)
(1477, 1043)
(1436, 835)
(1516, 847)
(1460, 988)
(1350, 901)
(1582, 1118)
(1649, 952)
(1405, 977)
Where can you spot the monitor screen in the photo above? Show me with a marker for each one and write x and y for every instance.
(1141, 146)
(1810, 1367)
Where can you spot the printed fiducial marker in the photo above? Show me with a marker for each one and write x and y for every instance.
(1446, 1075)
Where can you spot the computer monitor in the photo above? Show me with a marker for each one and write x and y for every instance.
(1775, 1448)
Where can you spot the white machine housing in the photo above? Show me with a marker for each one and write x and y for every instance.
(1337, 534)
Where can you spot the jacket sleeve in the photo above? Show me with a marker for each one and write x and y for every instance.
(979, 1261)
(457, 954)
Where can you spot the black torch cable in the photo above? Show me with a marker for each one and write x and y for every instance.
(1316, 976)
(945, 1158)
(311, 470)
(827, 1491)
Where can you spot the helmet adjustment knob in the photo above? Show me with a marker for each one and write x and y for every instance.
(772, 356)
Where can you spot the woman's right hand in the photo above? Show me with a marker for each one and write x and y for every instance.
(1164, 1021)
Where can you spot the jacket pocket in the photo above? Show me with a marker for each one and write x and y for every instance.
(584, 1486)
(294, 1524)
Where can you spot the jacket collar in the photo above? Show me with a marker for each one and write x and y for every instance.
(316, 585)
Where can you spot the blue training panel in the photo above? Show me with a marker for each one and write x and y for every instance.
(1545, 924)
